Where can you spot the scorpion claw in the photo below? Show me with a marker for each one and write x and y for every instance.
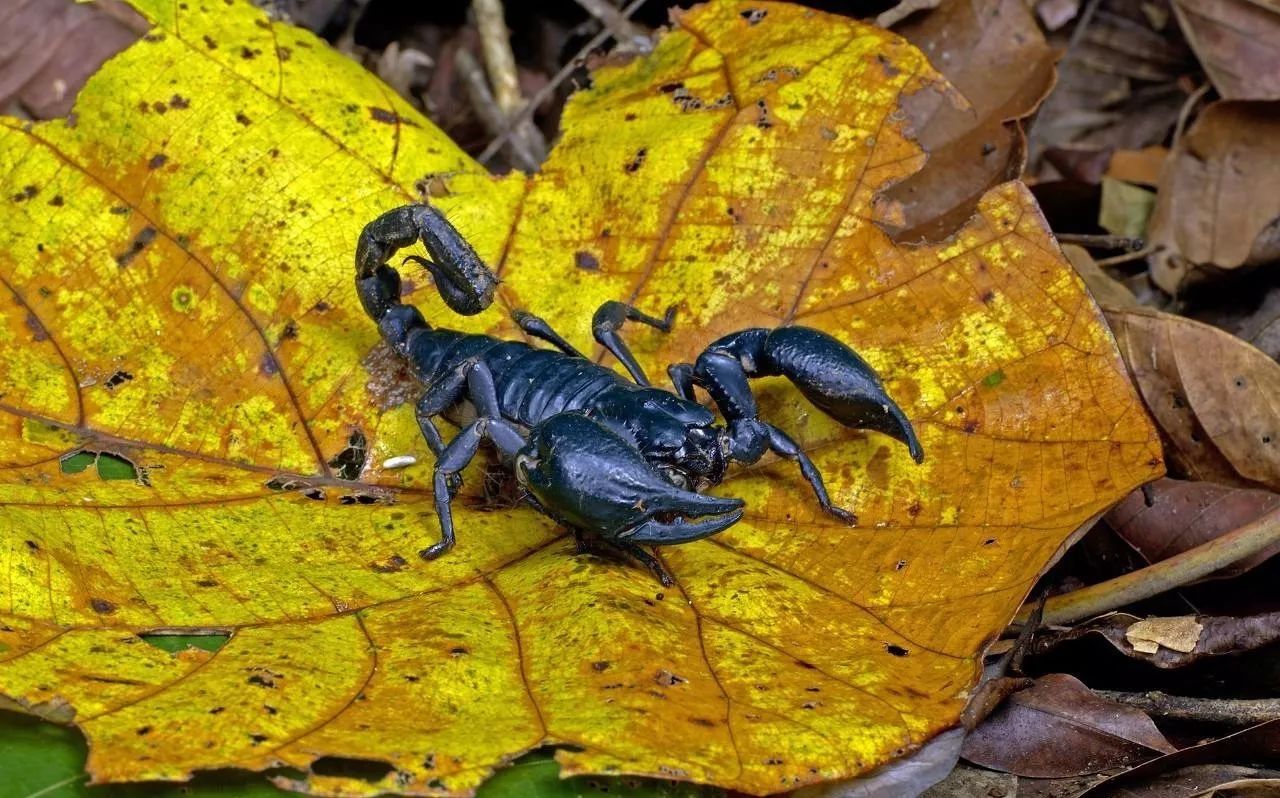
(590, 477)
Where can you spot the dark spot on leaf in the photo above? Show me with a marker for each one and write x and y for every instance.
(895, 650)
(210, 43)
(391, 565)
(585, 260)
(57, 201)
(289, 331)
(243, 119)
(636, 161)
(668, 679)
(988, 296)
(971, 426)
(987, 148)
(142, 731)
(270, 709)
(899, 565)
(753, 16)
(38, 332)
(179, 103)
(118, 378)
(629, 117)
(145, 236)
(600, 665)
(102, 606)
(1240, 382)
(284, 53)
(367, 770)
(989, 541)
(890, 70)
(670, 88)
(247, 54)
(206, 582)
(158, 160)
(762, 121)
(315, 494)
(261, 677)
(31, 544)
(459, 651)
(267, 364)
(320, 307)
(703, 722)
(216, 710)
(258, 739)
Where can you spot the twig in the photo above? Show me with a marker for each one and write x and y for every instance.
(1214, 555)
(623, 29)
(1185, 113)
(1116, 260)
(487, 109)
(1101, 241)
(547, 90)
(495, 43)
(1231, 711)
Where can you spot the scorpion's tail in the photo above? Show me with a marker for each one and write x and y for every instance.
(464, 282)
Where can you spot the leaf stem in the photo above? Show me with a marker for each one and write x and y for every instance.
(1214, 555)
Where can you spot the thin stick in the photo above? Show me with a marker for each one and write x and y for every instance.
(1185, 113)
(1232, 711)
(623, 29)
(1101, 241)
(487, 109)
(1181, 569)
(1128, 257)
(547, 90)
(495, 43)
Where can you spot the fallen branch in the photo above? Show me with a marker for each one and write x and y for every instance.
(1181, 569)
(1232, 711)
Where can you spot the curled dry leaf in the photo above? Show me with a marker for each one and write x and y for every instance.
(1057, 728)
(994, 54)
(1256, 745)
(48, 48)
(1238, 44)
(179, 267)
(1214, 636)
(1217, 206)
(1171, 516)
(1216, 399)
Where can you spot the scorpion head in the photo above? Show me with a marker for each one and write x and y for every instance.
(586, 475)
(675, 437)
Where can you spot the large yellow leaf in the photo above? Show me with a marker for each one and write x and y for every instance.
(178, 261)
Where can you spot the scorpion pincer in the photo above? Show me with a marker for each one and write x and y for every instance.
(619, 462)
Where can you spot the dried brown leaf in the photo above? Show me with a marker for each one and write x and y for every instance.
(1058, 727)
(1256, 745)
(1238, 44)
(1218, 636)
(48, 48)
(994, 54)
(1171, 516)
(1218, 207)
(1215, 397)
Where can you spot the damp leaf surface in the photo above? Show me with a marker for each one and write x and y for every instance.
(179, 305)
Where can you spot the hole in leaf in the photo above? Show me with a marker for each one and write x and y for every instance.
(110, 466)
(349, 462)
(369, 770)
(175, 643)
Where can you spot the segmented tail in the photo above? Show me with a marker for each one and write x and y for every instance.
(464, 282)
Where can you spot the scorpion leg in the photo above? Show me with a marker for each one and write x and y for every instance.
(610, 318)
(590, 544)
(455, 457)
(444, 393)
(538, 328)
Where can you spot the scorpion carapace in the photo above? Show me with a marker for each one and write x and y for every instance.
(618, 461)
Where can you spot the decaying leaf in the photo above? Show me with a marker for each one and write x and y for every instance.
(1058, 727)
(1213, 636)
(179, 267)
(1171, 516)
(1215, 398)
(1217, 208)
(48, 48)
(1179, 634)
(1257, 745)
(994, 54)
(1237, 42)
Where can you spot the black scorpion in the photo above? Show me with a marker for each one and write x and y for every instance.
(618, 462)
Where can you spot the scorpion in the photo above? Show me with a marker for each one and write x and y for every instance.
(619, 462)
